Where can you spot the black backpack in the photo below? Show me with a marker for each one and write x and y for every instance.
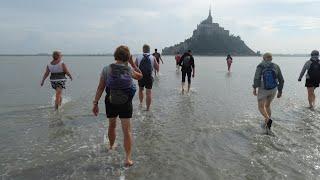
(146, 66)
(186, 62)
(314, 71)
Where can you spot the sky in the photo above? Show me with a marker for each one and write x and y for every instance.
(99, 26)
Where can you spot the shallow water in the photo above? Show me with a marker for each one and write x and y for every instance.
(212, 133)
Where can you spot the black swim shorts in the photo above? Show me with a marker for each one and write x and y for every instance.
(311, 83)
(124, 111)
(146, 83)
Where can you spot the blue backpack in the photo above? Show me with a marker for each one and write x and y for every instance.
(119, 85)
(146, 66)
(269, 77)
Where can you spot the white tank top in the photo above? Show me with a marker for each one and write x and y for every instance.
(57, 73)
(57, 68)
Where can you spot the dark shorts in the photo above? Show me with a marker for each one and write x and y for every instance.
(146, 83)
(184, 74)
(124, 111)
(58, 84)
(312, 83)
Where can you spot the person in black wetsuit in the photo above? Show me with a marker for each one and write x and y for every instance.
(188, 68)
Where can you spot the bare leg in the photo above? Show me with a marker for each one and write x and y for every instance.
(58, 98)
(141, 95)
(112, 131)
(189, 85)
(263, 111)
(148, 98)
(268, 107)
(127, 141)
(228, 66)
(311, 96)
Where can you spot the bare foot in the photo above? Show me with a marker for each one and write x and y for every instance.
(128, 163)
(182, 91)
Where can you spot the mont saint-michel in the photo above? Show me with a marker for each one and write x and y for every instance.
(211, 39)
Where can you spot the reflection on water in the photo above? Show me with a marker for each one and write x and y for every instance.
(211, 133)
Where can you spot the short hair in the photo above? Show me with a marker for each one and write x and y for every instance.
(56, 55)
(155, 50)
(267, 56)
(315, 53)
(189, 51)
(122, 53)
(146, 48)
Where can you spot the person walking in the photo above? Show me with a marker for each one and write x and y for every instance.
(147, 63)
(117, 80)
(312, 67)
(268, 80)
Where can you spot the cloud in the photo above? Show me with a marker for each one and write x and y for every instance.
(86, 26)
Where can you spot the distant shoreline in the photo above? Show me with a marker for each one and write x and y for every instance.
(108, 55)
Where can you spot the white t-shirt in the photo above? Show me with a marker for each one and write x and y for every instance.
(151, 58)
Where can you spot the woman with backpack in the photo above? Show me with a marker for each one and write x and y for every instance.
(312, 67)
(117, 80)
(268, 80)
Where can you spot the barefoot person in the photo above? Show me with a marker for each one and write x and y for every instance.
(147, 63)
(177, 58)
(188, 67)
(116, 80)
(229, 62)
(268, 80)
(158, 58)
(57, 70)
(312, 77)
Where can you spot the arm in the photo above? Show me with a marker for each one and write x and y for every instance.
(303, 71)
(257, 79)
(156, 65)
(136, 73)
(180, 61)
(161, 59)
(65, 70)
(45, 76)
(193, 66)
(281, 82)
(98, 95)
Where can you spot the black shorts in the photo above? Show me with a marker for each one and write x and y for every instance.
(124, 111)
(312, 83)
(184, 74)
(146, 83)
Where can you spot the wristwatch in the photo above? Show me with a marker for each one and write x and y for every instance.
(95, 102)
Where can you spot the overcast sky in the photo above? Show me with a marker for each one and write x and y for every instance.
(98, 26)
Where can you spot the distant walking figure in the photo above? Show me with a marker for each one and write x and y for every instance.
(158, 58)
(229, 62)
(117, 80)
(188, 67)
(312, 67)
(147, 63)
(177, 58)
(268, 80)
(57, 70)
